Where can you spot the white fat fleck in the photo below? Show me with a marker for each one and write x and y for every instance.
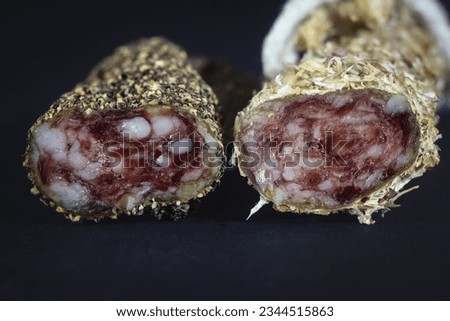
(162, 161)
(328, 200)
(325, 185)
(274, 175)
(289, 174)
(305, 195)
(75, 158)
(316, 133)
(192, 175)
(375, 151)
(363, 176)
(81, 164)
(359, 118)
(292, 188)
(71, 196)
(162, 125)
(177, 122)
(51, 140)
(369, 117)
(137, 127)
(397, 104)
(351, 120)
(299, 195)
(279, 196)
(136, 196)
(286, 150)
(59, 156)
(401, 161)
(48, 138)
(182, 146)
(293, 129)
(131, 202)
(340, 101)
(140, 191)
(90, 172)
(133, 198)
(373, 179)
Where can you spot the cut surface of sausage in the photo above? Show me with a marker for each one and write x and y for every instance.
(115, 159)
(326, 151)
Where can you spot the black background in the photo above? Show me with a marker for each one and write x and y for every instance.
(214, 253)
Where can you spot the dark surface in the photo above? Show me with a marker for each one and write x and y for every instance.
(214, 253)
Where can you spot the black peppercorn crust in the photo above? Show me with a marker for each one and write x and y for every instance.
(234, 88)
(147, 72)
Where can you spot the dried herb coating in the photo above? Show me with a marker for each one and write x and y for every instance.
(360, 45)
